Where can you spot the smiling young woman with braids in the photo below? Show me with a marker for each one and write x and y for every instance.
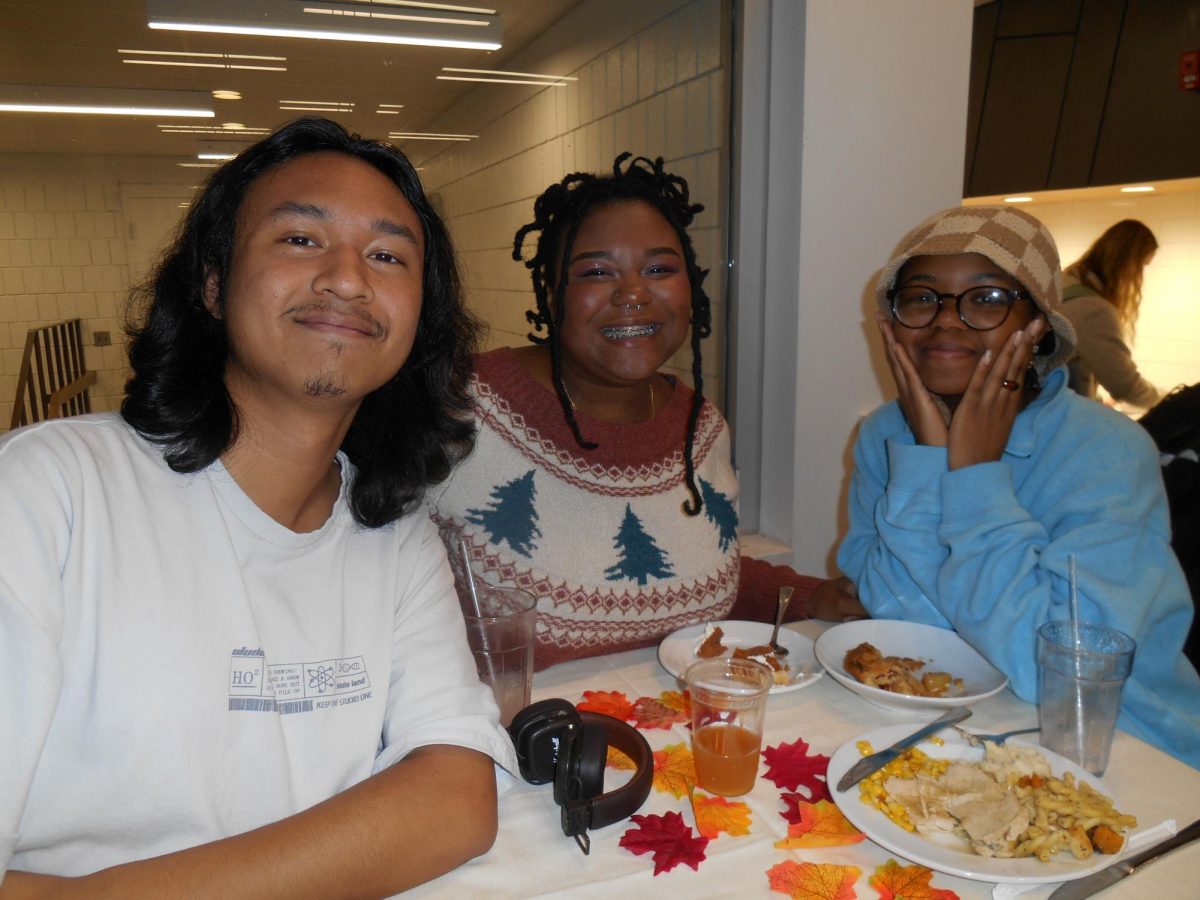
(597, 483)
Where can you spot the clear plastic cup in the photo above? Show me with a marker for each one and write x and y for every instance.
(1080, 678)
(501, 640)
(729, 702)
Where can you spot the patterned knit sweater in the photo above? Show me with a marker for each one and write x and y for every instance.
(599, 535)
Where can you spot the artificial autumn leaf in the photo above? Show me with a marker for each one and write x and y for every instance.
(650, 713)
(790, 767)
(618, 760)
(896, 882)
(674, 770)
(668, 837)
(814, 881)
(678, 700)
(821, 825)
(716, 814)
(608, 703)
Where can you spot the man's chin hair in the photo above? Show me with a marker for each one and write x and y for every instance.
(319, 387)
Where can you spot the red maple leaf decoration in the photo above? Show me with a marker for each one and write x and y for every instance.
(790, 766)
(669, 838)
(651, 713)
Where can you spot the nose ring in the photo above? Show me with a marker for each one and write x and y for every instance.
(633, 307)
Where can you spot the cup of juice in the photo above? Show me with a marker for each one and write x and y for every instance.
(729, 699)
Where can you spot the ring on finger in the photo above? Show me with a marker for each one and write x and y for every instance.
(1009, 385)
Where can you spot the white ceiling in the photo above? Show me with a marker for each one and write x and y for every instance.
(75, 42)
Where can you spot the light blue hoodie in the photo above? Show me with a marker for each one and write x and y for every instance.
(984, 549)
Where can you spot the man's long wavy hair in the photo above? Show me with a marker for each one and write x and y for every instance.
(558, 214)
(1113, 266)
(405, 435)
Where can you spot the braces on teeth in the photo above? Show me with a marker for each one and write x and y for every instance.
(629, 331)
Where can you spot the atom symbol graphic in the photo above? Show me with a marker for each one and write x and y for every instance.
(321, 678)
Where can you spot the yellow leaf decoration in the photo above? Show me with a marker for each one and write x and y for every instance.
(814, 881)
(893, 881)
(716, 814)
(821, 825)
(618, 760)
(674, 771)
(677, 700)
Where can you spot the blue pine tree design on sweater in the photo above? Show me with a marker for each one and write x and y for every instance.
(640, 558)
(721, 512)
(511, 516)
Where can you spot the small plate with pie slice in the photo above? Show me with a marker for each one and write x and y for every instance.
(800, 668)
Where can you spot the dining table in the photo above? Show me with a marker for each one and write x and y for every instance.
(533, 858)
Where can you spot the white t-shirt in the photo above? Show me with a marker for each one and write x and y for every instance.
(177, 667)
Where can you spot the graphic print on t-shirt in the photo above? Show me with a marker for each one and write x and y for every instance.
(255, 684)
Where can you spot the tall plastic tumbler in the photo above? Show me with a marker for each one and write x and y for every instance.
(729, 702)
(1081, 672)
(501, 640)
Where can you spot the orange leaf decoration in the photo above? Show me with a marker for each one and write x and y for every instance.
(896, 882)
(716, 814)
(814, 881)
(618, 760)
(650, 713)
(674, 771)
(821, 825)
(677, 700)
(609, 703)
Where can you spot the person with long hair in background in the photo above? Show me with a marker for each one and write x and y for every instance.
(1102, 292)
(600, 484)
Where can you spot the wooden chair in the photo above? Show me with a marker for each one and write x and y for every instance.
(53, 382)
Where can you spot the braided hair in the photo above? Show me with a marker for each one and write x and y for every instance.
(558, 214)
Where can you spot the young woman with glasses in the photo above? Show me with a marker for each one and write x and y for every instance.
(973, 491)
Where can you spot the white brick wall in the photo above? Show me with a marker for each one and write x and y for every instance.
(63, 255)
(661, 91)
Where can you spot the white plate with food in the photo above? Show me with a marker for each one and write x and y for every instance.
(910, 658)
(678, 650)
(948, 852)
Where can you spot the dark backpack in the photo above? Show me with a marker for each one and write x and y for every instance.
(1175, 426)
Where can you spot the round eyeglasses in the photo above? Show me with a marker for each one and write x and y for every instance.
(979, 308)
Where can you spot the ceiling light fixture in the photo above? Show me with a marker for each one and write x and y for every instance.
(175, 128)
(503, 72)
(429, 136)
(104, 101)
(317, 106)
(1138, 189)
(357, 20)
(203, 60)
(1018, 199)
(389, 109)
(494, 76)
(226, 95)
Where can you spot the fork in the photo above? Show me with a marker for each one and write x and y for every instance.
(976, 739)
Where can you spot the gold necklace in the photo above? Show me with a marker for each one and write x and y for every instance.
(574, 408)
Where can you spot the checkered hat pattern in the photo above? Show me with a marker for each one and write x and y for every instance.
(1015, 241)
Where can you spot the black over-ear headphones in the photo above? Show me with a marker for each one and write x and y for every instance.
(555, 742)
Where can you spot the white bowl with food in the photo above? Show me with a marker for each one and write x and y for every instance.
(907, 667)
(797, 670)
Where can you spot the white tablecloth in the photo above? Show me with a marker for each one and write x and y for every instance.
(532, 857)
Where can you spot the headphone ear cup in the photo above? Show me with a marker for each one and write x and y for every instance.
(593, 757)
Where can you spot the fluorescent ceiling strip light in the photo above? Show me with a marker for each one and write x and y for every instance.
(1138, 189)
(347, 103)
(429, 136)
(199, 65)
(192, 53)
(197, 165)
(1018, 199)
(387, 112)
(324, 109)
(342, 22)
(355, 14)
(391, 106)
(105, 101)
(502, 72)
(219, 156)
(500, 80)
(446, 7)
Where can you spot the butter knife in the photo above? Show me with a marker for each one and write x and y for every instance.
(1098, 881)
(876, 761)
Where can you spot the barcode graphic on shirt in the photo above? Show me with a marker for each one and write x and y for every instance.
(294, 706)
(255, 703)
